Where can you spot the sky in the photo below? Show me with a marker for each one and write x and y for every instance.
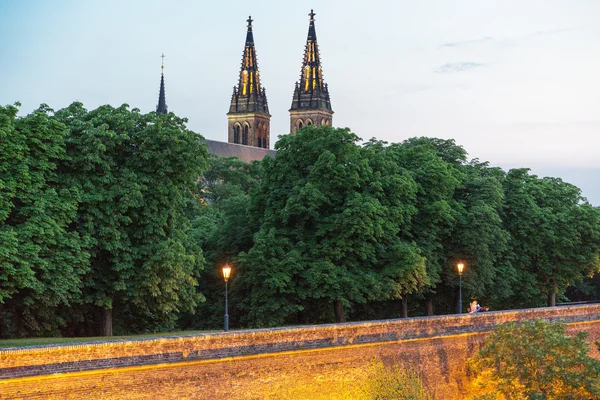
(516, 83)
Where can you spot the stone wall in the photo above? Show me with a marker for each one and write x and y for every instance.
(309, 362)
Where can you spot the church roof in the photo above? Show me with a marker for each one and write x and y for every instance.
(243, 153)
(249, 96)
(311, 92)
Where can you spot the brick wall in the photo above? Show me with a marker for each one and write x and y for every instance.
(299, 362)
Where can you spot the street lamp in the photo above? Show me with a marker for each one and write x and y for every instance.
(460, 266)
(226, 274)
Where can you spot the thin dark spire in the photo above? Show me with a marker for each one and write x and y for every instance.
(312, 34)
(249, 35)
(161, 108)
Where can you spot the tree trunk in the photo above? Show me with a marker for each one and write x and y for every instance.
(338, 310)
(552, 299)
(107, 322)
(404, 306)
(429, 307)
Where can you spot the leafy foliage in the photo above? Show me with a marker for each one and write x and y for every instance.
(331, 215)
(536, 360)
(134, 172)
(222, 226)
(112, 209)
(42, 256)
(555, 239)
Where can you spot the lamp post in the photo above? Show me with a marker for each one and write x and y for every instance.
(460, 266)
(226, 274)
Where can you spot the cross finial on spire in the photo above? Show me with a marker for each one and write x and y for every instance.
(249, 20)
(163, 62)
(312, 15)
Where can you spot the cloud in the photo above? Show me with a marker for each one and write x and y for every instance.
(486, 39)
(549, 32)
(504, 42)
(457, 67)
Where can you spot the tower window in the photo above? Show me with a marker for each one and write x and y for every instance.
(236, 134)
(245, 135)
(300, 124)
(308, 122)
(260, 142)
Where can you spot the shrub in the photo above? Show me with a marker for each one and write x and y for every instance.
(535, 360)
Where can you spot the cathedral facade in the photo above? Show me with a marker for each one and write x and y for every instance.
(249, 120)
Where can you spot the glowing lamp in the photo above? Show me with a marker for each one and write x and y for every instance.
(226, 272)
(460, 266)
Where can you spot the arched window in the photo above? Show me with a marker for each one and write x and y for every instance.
(323, 122)
(260, 142)
(245, 135)
(236, 134)
(308, 122)
(300, 124)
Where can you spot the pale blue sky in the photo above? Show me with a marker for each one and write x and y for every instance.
(517, 83)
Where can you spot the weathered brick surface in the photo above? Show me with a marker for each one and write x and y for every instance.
(315, 362)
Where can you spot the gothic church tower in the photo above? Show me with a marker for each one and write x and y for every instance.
(311, 104)
(248, 117)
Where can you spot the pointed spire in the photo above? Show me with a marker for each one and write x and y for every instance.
(311, 93)
(249, 35)
(248, 95)
(161, 108)
(248, 119)
(312, 34)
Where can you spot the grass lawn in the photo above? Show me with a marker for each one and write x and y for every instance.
(59, 340)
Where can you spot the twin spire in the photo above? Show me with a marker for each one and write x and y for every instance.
(248, 116)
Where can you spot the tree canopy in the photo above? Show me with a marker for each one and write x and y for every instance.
(115, 215)
(93, 210)
(332, 212)
(43, 257)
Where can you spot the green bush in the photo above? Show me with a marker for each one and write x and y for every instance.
(535, 360)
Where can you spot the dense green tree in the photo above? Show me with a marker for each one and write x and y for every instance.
(228, 177)
(112, 209)
(458, 219)
(41, 256)
(435, 165)
(479, 238)
(134, 172)
(223, 226)
(555, 236)
(536, 360)
(331, 214)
